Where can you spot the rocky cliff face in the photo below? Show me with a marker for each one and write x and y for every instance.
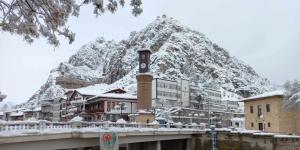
(177, 52)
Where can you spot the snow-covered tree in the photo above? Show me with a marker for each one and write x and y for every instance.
(292, 94)
(2, 96)
(34, 18)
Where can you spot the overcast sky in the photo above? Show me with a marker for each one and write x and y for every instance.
(263, 33)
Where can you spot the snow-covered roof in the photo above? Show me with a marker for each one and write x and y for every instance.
(92, 90)
(1, 113)
(116, 95)
(14, 114)
(265, 95)
(37, 109)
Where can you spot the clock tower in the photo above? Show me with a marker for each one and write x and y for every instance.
(144, 81)
(144, 59)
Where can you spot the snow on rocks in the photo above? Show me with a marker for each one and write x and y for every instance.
(178, 52)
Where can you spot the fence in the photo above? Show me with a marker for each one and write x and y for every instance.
(41, 125)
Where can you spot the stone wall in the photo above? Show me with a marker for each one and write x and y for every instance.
(246, 141)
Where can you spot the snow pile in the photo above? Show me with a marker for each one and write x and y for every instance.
(31, 119)
(194, 124)
(77, 118)
(121, 121)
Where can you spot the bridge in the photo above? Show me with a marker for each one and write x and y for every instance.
(85, 135)
(79, 135)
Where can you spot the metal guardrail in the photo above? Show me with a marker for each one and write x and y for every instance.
(41, 125)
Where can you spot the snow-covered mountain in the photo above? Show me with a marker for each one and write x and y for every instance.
(177, 52)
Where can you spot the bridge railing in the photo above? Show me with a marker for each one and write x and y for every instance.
(41, 125)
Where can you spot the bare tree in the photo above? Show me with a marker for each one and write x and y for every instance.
(34, 18)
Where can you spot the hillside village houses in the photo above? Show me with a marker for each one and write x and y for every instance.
(267, 112)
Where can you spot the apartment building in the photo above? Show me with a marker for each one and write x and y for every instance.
(213, 102)
(169, 93)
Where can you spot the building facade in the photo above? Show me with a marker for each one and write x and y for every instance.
(169, 93)
(267, 112)
(213, 102)
(110, 106)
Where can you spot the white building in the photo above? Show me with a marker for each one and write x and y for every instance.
(194, 100)
(168, 93)
(214, 102)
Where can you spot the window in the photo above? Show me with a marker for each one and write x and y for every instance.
(237, 124)
(251, 109)
(259, 112)
(269, 124)
(268, 107)
(252, 124)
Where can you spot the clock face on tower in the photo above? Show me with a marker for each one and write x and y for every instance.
(144, 58)
(143, 65)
